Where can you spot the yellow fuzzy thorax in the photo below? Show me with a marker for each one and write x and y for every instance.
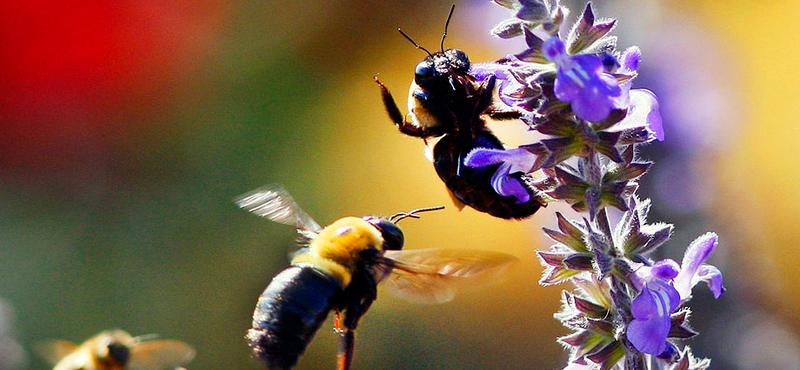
(337, 248)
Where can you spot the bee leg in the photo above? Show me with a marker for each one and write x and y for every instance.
(360, 294)
(337, 322)
(486, 103)
(486, 91)
(364, 290)
(395, 115)
(344, 359)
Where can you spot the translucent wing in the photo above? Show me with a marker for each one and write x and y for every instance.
(160, 354)
(434, 275)
(275, 203)
(54, 351)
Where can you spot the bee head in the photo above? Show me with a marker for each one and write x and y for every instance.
(392, 235)
(119, 352)
(434, 72)
(115, 346)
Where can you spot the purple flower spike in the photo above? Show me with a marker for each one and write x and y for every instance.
(651, 311)
(582, 83)
(693, 269)
(512, 161)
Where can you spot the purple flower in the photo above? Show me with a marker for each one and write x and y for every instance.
(663, 287)
(643, 111)
(643, 105)
(652, 308)
(582, 82)
(693, 270)
(511, 161)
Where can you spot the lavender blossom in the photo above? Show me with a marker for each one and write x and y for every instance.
(582, 82)
(652, 308)
(643, 112)
(694, 270)
(663, 286)
(512, 161)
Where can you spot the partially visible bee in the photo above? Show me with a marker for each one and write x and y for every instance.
(339, 269)
(117, 350)
(445, 100)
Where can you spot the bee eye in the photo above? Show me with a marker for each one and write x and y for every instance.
(425, 70)
(458, 59)
(392, 235)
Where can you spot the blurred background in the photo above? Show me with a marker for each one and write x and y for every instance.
(127, 128)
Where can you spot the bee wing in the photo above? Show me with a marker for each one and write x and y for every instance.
(54, 351)
(434, 275)
(159, 354)
(274, 202)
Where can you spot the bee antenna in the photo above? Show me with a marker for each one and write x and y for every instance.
(446, 24)
(413, 214)
(413, 42)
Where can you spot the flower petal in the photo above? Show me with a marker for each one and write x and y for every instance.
(713, 277)
(651, 310)
(591, 105)
(480, 71)
(554, 50)
(482, 157)
(695, 256)
(630, 59)
(507, 186)
(649, 336)
(666, 294)
(520, 160)
(643, 112)
(645, 305)
(665, 269)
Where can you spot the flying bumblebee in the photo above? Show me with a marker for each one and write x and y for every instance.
(445, 101)
(339, 269)
(117, 350)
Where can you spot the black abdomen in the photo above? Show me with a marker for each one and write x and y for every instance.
(289, 312)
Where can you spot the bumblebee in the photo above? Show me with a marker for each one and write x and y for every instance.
(338, 270)
(445, 101)
(117, 350)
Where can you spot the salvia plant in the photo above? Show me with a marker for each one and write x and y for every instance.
(574, 87)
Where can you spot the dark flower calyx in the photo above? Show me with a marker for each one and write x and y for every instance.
(587, 32)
